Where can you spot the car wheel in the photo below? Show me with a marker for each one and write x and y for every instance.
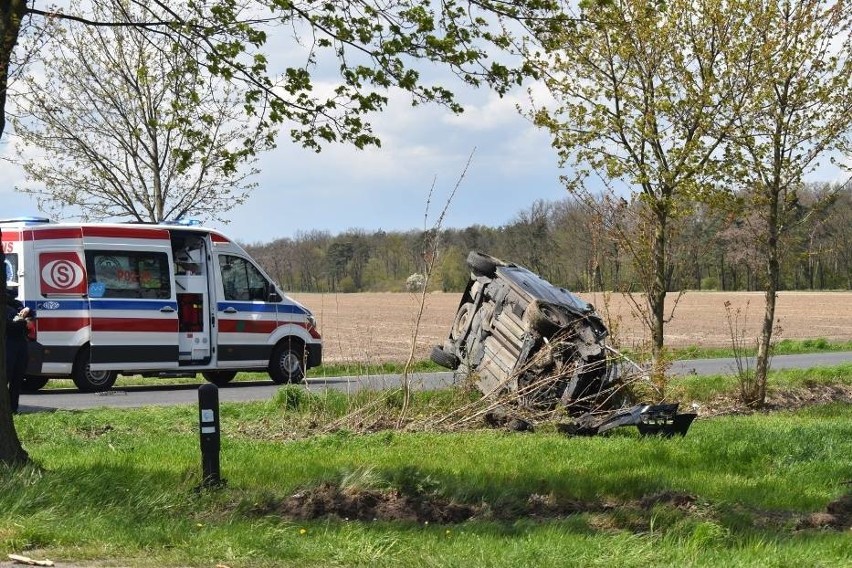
(444, 358)
(33, 384)
(219, 378)
(482, 264)
(287, 364)
(88, 380)
(545, 318)
(462, 321)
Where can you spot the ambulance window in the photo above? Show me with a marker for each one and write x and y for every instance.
(11, 266)
(128, 274)
(241, 280)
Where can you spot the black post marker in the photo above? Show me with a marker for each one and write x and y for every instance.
(208, 425)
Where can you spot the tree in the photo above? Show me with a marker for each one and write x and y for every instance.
(840, 238)
(800, 112)
(371, 44)
(126, 124)
(638, 90)
(529, 239)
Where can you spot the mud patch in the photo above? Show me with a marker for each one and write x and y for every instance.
(837, 516)
(358, 504)
(330, 501)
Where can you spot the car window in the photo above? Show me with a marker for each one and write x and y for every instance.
(128, 274)
(241, 279)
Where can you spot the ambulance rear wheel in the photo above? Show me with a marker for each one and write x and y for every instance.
(33, 384)
(219, 378)
(287, 364)
(88, 380)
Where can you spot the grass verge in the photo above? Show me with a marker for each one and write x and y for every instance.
(118, 487)
(710, 388)
(783, 347)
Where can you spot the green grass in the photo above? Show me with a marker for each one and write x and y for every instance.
(118, 486)
(704, 388)
(783, 347)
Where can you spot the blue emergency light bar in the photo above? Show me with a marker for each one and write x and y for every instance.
(27, 220)
(182, 222)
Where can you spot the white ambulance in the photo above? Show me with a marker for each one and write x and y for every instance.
(156, 300)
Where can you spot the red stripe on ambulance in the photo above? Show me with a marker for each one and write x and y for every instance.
(49, 234)
(12, 236)
(247, 326)
(134, 324)
(126, 233)
(46, 324)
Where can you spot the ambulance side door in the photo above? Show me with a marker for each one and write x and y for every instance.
(132, 300)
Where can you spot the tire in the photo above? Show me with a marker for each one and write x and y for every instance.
(219, 378)
(545, 318)
(481, 264)
(462, 321)
(287, 364)
(33, 384)
(88, 380)
(444, 358)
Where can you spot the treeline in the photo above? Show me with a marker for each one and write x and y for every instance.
(573, 244)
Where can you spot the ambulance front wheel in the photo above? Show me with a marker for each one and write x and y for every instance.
(287, 364)
(88, 380)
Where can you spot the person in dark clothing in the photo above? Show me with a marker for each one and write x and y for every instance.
(17, 316)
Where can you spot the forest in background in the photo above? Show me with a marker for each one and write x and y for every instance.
(579, 245)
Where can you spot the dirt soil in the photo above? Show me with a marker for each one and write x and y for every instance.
(380, 327)
(361, 504)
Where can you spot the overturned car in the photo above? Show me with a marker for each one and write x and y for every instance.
(518, 334)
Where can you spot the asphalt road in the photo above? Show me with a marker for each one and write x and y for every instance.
(131, 397)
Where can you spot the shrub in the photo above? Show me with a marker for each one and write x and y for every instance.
(415, 282)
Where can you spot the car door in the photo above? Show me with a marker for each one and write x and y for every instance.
(246, 318)
(131, 293)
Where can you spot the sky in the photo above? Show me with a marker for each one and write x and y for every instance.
(424, 148)
(341, 188)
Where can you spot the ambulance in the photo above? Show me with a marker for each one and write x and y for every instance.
(151, 299)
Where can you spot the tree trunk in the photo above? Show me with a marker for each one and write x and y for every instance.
(657, 296)
(11, 452)
(11, 14)
(772, 278)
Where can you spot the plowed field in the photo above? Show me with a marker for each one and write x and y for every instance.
(380, 327)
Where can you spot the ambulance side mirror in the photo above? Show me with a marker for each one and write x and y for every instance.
(274, 297)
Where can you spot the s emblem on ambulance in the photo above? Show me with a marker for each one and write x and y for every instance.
(49, 305)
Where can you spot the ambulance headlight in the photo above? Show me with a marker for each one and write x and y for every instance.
(312, 321)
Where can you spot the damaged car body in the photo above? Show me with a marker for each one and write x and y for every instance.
(518, 335)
